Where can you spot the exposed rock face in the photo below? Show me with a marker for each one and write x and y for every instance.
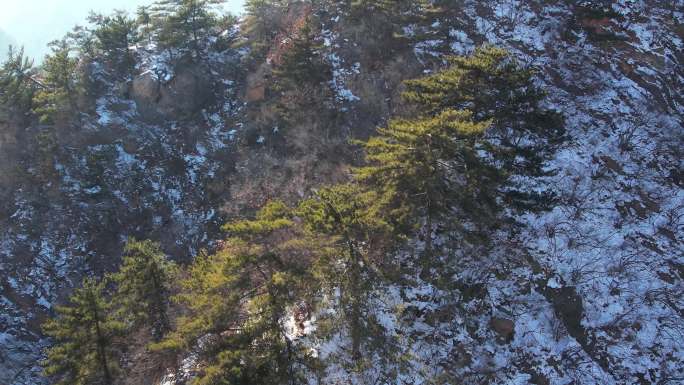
(188, 90)
(256, 93)
(146, 91)
(568, 306)
(256, 85)
(503, 327)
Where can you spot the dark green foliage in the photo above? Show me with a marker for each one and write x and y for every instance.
(299, 77)
(17, 84)
(115, 34)
(261, 24)
(341, 211)
(355, 244)
(476, 123)
(143, 286)
(496, 88)
(84, 42)
(422, 168)
(389, 11)
(83, 334)
(228, 35)
(186, 24)
(57, 101)
(384, 20)
(46, 149)
(302, 63)
(144, 19)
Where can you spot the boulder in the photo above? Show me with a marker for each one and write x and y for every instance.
(146, 92)
(184, 95)
(256, 84)
(256, 93)
(505, 328)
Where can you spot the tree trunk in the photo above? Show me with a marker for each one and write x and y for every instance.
(161, 324)
(355, 312)
(428, 230)
(432, 164)
(101, 347)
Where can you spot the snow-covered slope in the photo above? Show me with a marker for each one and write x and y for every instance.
(123, 174)
(589, 292)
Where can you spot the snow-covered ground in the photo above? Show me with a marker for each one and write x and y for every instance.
(151, 180)
(592, 289)
(589, 292)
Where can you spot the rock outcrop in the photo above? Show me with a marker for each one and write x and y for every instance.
(183, 95)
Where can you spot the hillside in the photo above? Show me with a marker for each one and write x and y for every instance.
(569, 273)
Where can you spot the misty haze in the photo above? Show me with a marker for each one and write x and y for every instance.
(35, 23)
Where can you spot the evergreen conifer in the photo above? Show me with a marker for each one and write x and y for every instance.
(186, 24)
(83, 332)
(351, 260)
(242, 295)
(115, 34)
(144, 285)
(58, 99)
(17, 83)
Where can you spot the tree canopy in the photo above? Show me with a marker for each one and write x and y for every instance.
(17, 83)
(144, 283)
(83, 333)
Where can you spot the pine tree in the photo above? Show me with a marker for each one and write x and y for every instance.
(186, 24)
(496, 88)
(58, 99)
(241, 294)
(17, 84)
(385, 19)
(415, 166)
(144, 19)
(45, 150)
(115, 34)
(394, 9)
(143, 286)
(261, 23)
(228, 33)
(301, 63)
(298, 76)
(83, 333)
(84, 42)
(355, 242)
(474, 124)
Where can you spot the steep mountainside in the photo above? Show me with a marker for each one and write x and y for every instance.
(588, 291)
